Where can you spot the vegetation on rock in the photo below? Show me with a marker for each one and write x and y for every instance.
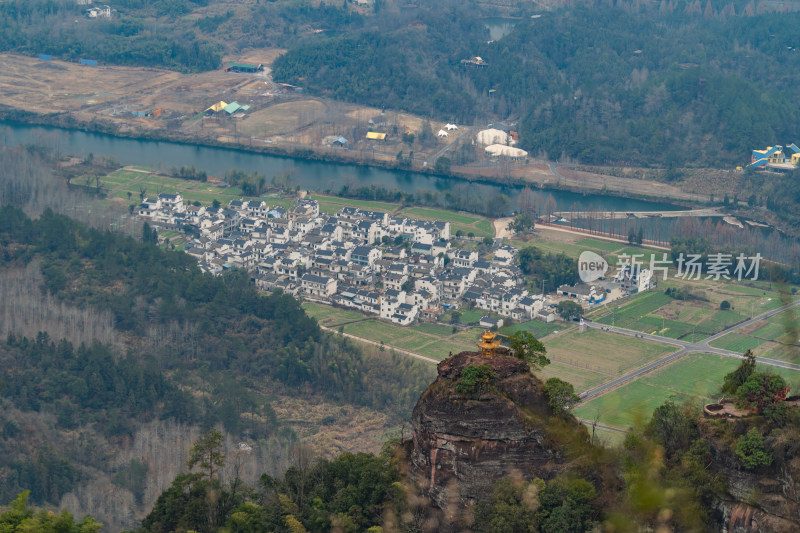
(528, 348)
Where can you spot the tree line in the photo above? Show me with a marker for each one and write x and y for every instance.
(600, 84)
(49, 27)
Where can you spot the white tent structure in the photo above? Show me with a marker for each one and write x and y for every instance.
(492, 136)
(443, 133)
(501, 151)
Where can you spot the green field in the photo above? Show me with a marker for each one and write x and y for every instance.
(608, 249)
(602, 352)
(332, 204)
(694, 377)
(737, 342)
(331, 316)
(537, 328)
(433, 329)
(655, 312)
(128, 184)
(775, 337)
(471, 316)
(431, 340)
(440, 214)
(464, 341)
(606, 437)
(580, 378)
(553, 247)
(632, 310)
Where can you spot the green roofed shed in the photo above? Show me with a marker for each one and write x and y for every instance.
(244, 67)
(231, 108)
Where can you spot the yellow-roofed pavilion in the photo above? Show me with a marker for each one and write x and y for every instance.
(488, 344)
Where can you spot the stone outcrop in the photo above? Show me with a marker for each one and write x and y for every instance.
(762, 500)
(464, 443)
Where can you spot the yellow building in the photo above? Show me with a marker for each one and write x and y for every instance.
(488, 344)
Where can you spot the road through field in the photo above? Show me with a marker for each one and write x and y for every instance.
(375, 343)
(685, 348)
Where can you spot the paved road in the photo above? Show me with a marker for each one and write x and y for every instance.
(591, 423)
(432, 160)
(685, 348)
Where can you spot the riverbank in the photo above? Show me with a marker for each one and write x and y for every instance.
(533, 174)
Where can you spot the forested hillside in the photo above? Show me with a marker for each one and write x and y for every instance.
(644, 86)
(62, 29)
(182, 350)
(184, 35)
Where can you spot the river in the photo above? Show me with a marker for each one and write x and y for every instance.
(311, 175)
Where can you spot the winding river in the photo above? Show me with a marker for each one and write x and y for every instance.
(311, 175)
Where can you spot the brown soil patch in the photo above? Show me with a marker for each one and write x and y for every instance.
(282, 118)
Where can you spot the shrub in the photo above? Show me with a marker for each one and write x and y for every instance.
(724, 305)
(750, 450)
(528, 348)
(764, 392)
(475, 378)
(560, 394)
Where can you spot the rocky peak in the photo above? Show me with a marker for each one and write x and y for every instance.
(466, 440)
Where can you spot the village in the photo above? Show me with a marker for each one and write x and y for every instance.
(397, 269)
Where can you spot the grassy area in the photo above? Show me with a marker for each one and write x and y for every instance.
(607, 438)
(608, 249)
(432, 340)
(737, 342)
(433, 329)
(537, 328)
(696, 377)
(596, 245)
(581, 378)
(550, 246)
(471, 316)
(332, 204)
(632, 310)
(604, 352)
(331, 316)
(464, 341)
(128, 184)
(440, 214)
(698, 317)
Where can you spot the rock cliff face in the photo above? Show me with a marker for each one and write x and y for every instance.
(463, 443)
(765, 500)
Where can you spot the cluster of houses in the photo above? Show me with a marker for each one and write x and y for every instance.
(400, 269)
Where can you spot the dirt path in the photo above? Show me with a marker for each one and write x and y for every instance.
(501, 230)
(374, 343)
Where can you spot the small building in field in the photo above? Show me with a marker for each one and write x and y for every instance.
(376, 136)
(489, 322)
(248, 68)
(216, 108)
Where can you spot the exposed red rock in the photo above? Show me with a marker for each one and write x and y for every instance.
(464, 443)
